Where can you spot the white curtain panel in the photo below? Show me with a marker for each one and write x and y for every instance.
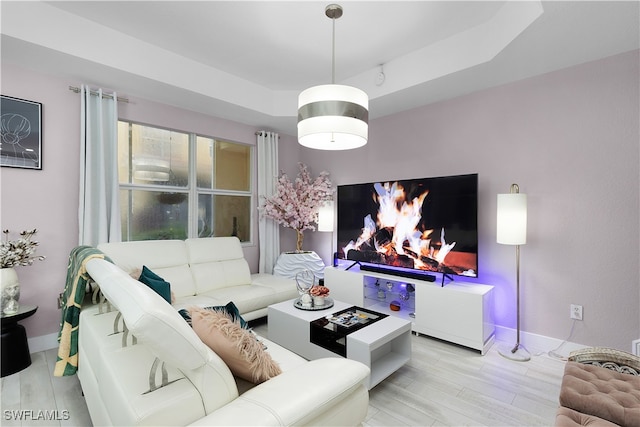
(99, 210)
(268, 230)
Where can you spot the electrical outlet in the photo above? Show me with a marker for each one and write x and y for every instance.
(576, 311)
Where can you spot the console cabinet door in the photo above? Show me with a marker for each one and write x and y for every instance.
(344, 285)
(451, 313)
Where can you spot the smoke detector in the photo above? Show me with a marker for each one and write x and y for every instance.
(379, 80)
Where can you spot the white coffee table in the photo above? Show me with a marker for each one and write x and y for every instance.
(384, 346)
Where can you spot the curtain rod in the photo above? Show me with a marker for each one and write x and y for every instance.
(93, 92)
(258, 133)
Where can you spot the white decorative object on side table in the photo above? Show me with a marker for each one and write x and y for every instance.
(291, 263)
(10, 288)
(14, 253)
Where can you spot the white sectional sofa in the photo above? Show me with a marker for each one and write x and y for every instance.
(191, 385)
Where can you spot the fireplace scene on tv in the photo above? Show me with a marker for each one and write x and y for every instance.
(425, 224)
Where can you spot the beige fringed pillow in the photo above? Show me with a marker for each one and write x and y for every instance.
(238, 347)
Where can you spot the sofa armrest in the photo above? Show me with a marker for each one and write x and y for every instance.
(616, 360)
(299, 396)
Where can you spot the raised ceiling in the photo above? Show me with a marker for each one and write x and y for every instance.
(247, 61)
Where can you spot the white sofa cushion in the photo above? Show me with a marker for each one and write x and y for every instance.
(217, 262)
(166, 258)
(320, 392)
(283, 288)
(197, 301)
(123, 382)
(246, 297)
(97, 335)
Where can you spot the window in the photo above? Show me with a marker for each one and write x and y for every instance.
(175, 185)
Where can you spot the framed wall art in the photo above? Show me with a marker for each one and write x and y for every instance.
(21, 133)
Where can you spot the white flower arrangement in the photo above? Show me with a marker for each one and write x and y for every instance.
(19, 252)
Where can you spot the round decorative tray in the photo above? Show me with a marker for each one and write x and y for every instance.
(328, 303)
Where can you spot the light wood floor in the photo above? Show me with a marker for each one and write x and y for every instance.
(442, 385)
(35, 389)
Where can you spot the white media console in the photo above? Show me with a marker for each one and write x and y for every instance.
(461, 313)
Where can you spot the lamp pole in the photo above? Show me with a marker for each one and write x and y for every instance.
(512, 230)
(515, 348)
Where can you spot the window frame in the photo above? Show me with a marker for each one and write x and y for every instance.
(192, 190)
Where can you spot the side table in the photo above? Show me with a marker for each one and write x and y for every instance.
(15, 348)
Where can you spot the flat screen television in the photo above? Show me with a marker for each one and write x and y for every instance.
(411, 227)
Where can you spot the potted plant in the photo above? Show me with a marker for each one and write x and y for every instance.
(14, 253)
(296, 204)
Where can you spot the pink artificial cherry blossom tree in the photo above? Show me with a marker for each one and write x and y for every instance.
(296, 204)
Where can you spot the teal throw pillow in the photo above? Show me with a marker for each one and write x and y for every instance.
(156, 283)
(230, 309)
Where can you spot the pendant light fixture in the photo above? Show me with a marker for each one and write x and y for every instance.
(333, 117)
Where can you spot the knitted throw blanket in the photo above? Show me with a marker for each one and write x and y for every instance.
(74, 292)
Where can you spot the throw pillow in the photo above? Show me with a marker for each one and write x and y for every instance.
(237, 347)
(157, 283)
(136, 275)
(230, 309)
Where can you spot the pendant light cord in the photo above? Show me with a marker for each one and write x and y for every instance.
(333, 11)
(333, 52)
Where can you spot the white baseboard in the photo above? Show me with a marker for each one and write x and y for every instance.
(533, 342)
(537, 344)
(43, 342)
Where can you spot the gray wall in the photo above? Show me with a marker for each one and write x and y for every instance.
(570, 139)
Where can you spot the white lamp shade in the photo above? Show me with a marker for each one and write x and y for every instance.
(333, 117)
(325, 217)
(512, 219)
(151, 169)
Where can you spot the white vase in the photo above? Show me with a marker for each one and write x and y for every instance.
(10, 290)
(318, 301)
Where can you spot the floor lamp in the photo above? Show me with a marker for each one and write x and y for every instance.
(325, 220)
(512, 230)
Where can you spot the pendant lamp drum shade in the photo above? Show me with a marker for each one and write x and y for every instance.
(512, 219)
(333, 117)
